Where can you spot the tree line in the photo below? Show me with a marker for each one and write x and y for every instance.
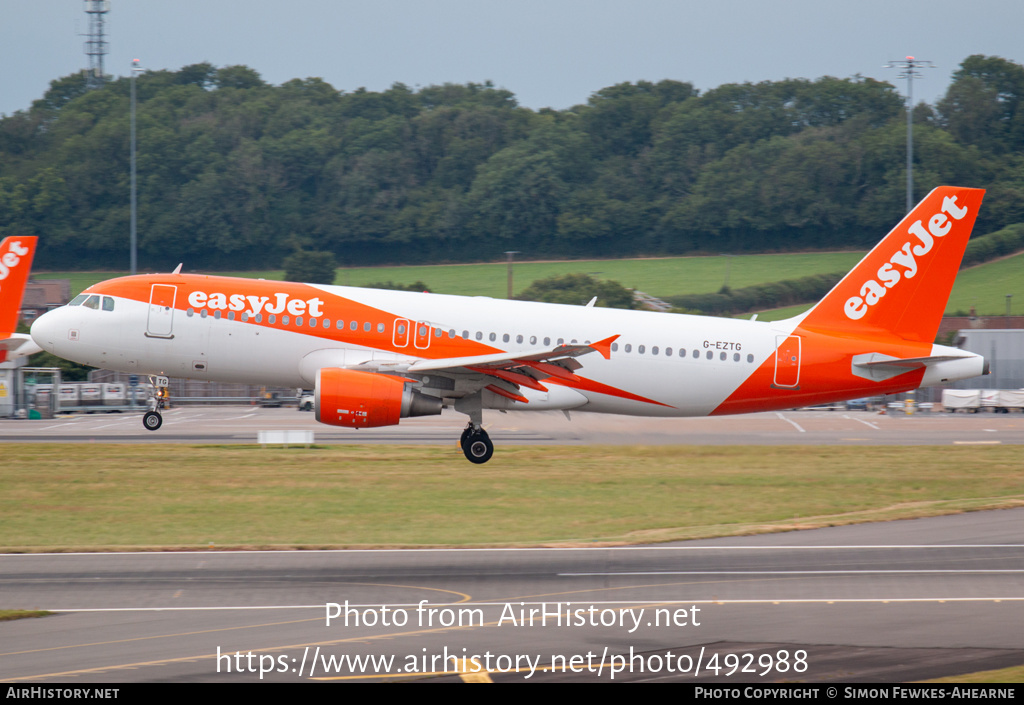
(234, 173)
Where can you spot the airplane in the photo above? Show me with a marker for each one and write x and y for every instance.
(374, 357)
(16, 255)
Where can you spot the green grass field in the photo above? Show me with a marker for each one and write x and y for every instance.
(94, 497)
(985, 287)
(658, 277)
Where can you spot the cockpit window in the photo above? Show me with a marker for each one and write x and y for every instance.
(77, 301)
(108, 303)
(92, 302)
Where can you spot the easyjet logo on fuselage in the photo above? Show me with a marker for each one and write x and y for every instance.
(10, 259)
(279, 303)
(871, 291)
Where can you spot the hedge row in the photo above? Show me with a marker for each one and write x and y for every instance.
(998, 244)
(772, 295)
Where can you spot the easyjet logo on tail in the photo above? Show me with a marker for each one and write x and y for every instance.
(10, 259)
(871, 291)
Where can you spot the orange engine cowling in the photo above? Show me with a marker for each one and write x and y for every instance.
(367, 399)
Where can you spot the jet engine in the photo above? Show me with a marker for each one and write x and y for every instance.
(367, 399)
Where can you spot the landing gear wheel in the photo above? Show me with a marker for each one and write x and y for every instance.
(152, 420)
(477, 446)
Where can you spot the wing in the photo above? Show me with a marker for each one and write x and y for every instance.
(502, 373)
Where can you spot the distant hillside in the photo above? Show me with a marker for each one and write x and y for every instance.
(235, 173)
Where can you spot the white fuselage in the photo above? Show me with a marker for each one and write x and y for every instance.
(688, 364)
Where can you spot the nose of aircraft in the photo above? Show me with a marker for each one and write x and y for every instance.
(44, 330)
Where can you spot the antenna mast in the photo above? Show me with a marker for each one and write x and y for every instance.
(95, 44)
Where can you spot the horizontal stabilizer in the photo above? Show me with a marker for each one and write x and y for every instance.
(19, 344)
(880, 367)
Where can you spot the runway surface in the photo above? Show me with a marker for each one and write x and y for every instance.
(209, 424)
(890, 602)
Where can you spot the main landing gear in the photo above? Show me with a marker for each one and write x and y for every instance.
(476, 444)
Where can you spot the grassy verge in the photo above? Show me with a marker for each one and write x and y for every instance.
(107, 497)
(1014, 674)
(9, 615)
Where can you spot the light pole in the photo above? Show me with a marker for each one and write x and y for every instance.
(510, 254)
(908, 70)
(134, 232)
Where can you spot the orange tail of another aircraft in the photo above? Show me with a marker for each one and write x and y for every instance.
(15, 262)
(901, 287)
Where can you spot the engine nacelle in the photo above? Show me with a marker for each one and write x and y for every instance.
(367, 399)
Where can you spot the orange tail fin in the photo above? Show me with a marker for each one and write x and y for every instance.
(901, 287)
(15, 262)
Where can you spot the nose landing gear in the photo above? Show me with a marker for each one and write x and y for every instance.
(152, 420)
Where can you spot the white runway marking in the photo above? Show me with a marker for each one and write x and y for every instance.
(791, 572)
(795, 424)
(866, 423)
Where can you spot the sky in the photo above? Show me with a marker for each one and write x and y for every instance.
(549, 53)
